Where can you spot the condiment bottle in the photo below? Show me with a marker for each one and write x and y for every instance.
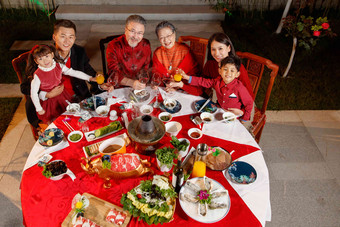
(199, 168)
(177, 176)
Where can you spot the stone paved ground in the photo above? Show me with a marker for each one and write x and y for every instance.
(301, 148)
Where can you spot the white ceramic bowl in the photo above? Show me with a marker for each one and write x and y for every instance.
(118, 142)
(146, 109)
(165, 114)
(193, 132)
(73, 108)
(103, 110)
(228, 117)
(173, 128)
(207, 117)
(75, 133)
(170, 103)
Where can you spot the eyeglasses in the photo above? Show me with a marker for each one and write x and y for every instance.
(166, 37)
(134, 32)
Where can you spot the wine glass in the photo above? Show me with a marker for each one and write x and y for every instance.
(113, 79)
(167, 80)
(155, 82)
(143, 77)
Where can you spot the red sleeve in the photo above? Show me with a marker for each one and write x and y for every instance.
(246, 100)
(113, 64)
(244, 78)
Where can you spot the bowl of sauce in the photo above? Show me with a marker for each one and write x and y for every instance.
(75, 136)
(112, 146)
(206, 117)
(195, 133)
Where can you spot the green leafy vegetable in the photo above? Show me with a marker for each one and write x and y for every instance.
(106, 164)
(166, 156)
(179, 145)
(46, 172)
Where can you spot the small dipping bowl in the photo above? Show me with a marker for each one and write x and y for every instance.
(73, 108)
(170, 103)
(146, 109)
(207, 117)
(165, 117)
(112, 146)
(103, 110)
(173, 128)
(75, 134)
(195, 133)
(228, 117)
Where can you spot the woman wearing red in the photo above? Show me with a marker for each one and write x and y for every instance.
(172, 55)
(220, 47)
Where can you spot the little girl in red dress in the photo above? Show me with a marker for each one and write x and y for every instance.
(48, 70)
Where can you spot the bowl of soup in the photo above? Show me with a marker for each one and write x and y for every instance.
(112, 146)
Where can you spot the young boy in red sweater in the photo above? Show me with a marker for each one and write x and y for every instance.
(230, 92)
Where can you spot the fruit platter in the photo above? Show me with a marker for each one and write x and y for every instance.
(116, 166)
(153, 201)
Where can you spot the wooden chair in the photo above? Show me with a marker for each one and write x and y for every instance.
(102, 46)
(255, 66)
(198, 46)
(19, 65)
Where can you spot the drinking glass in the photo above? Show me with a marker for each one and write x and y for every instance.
(143, 77)
(155, 82)
(113, 79)
(167, 80)
(100, 78)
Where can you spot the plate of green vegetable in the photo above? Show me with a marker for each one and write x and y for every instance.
(109, 129)
(153, 201)
(181, 144)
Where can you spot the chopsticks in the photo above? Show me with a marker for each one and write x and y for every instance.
(68, 126)
(206, 103)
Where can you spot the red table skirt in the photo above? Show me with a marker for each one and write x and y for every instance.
(47, 203)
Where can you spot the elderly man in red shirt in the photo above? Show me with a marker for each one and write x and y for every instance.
(230, 92)
(130, 53)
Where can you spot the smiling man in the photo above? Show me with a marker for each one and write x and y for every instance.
(64, 36)
(130, 53)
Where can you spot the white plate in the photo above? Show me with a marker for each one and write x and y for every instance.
(212, 216)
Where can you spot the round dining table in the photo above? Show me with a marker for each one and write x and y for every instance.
(47, 203)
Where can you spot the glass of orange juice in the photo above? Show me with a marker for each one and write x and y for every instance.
(198, 169)
(177, 77)
(100, 78)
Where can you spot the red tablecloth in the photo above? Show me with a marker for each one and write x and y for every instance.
(47, 203)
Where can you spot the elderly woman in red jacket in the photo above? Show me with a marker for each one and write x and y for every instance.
(172, 55)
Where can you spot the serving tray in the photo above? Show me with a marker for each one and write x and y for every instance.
(97, 212)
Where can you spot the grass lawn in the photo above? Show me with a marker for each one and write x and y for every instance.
(7, 109)
(314, 79)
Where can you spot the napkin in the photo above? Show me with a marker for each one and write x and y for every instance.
(38, 150)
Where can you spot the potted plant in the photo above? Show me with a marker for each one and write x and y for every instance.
(165, 158)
